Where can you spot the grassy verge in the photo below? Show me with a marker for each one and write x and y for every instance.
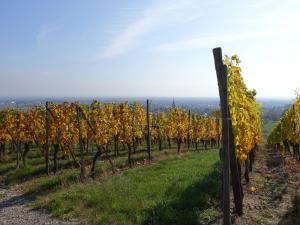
(179, 190)
(35, 166)
(268, 125)
(10, 175)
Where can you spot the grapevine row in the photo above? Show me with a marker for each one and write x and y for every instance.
(241, 117)
(287, 130)
(103, 125)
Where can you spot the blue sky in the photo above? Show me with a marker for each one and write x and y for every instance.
(153, 48)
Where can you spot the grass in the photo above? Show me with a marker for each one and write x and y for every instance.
(268, 125)
(10, 175)
(179, 190)
(175, 189)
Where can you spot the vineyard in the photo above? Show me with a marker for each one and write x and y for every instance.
(123, 163)
(287, 131)
(63, 128)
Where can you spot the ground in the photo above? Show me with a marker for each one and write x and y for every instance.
(15, 210)
(174, 189)
(275, 200)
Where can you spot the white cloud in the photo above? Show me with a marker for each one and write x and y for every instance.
(149, 19)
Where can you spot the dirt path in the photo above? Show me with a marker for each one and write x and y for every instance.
(14, 210)
(276, 178)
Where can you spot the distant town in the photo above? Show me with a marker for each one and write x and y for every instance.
(272, 108)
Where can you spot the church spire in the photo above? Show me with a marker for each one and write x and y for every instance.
(173, 103)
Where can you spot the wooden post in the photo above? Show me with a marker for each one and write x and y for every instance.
(234, 164)
(247, 170)
(158, 127)
(82, 169)
(47, 138)
(221, 71)
(294, 133)
(218, 129)
(18, 143)
(250, 160)
(148, 132)
(189, 127)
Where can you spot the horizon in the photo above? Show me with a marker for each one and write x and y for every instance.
(131, 97)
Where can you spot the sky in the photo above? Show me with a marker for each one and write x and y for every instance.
(134, 48)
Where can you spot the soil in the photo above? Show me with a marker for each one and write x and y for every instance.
(275, 195)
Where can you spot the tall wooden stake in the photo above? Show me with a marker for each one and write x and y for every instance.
(47, 138)
(148, 132)
(221, 71)
(18, 143)
(189, 127)
(218, 130)
(82, 169)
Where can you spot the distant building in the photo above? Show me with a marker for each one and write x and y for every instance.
(173, 103)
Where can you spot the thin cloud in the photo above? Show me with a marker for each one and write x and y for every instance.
(45, 31)
(290, 25)
(150, 18)
(208, 41)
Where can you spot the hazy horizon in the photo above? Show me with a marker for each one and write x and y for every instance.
(133, 97)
